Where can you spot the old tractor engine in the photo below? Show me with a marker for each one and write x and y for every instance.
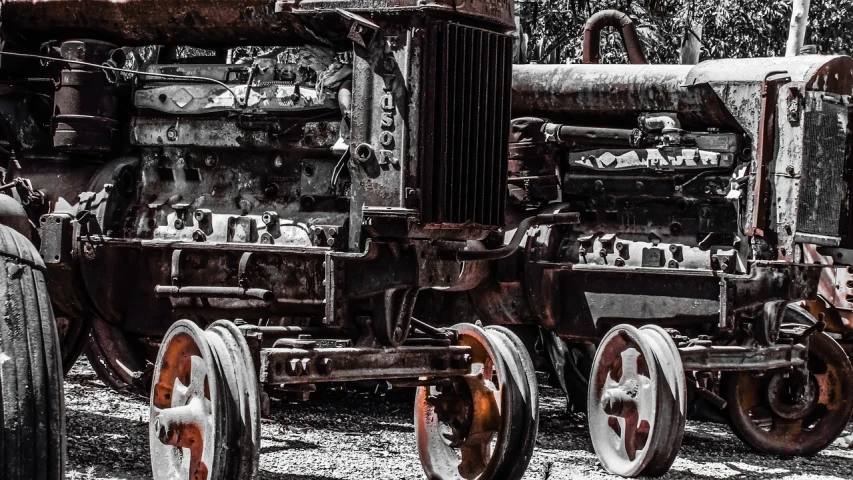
(701, 190)
(304, 192)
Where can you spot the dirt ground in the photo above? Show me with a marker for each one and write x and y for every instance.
(354, 436)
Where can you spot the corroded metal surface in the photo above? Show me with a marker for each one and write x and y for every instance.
(799, 414)
(616, 19)
(484, 424)
(142, 22)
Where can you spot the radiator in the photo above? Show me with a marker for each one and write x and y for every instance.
(824, 153)
(467, 75)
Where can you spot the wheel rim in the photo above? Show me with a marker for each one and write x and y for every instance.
(461, 429)
(245, 399)
(636, 401)
(187, 408)
(775, 415)
(673, 407)
(522, 439)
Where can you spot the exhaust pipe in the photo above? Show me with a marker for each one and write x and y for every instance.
(615, 19)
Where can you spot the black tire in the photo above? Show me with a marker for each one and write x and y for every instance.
(33, 407)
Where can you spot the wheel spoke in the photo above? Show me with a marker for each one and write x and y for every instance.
(475, 458)
(636, 381)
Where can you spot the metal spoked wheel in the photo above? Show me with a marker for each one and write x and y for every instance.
(791, 413)
(637, 401)
(479, 427)
(205, 421)
(525, 439)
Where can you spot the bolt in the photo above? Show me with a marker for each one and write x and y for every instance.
(363, 152)
(324, 366)
(673, 248)
(620, 246)
(672, 264)
(179, 224)
(199, 236)
(269, 217)
(278, 161)
(599, 186)
(266, 239)
(398, 335)
(210, 160)
(790, 170)
(602, 252)
(294, 367)
(172, 134)
(620, 262)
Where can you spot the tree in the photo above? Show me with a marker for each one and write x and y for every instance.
(733, 28)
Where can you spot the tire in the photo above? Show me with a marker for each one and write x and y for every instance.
(32, 444)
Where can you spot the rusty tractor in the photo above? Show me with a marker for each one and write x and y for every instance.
(260, 220)
(701, 191)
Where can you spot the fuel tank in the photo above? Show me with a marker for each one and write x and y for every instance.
(714, 94)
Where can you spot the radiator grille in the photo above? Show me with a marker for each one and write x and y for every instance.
(822, 186)
(464, 158)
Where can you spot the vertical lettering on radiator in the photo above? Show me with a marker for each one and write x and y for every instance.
(386, 103)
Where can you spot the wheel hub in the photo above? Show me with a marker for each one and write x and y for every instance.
(790, 397)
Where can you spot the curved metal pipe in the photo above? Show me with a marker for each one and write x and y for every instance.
(515, 242)
(615, 19)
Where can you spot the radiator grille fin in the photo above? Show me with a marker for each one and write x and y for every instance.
(465, 155)
(822, 187)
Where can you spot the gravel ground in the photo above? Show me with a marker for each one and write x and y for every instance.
(354, 436)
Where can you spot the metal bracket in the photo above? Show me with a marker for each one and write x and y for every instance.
(362, 31)
(56, 232)
(841, 256)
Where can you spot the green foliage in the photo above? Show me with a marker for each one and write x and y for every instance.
(732, 28)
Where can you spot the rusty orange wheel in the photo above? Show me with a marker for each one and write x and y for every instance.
(524, 442)
(637, 401)
(794, 412)
(204, 422)
(470, 429)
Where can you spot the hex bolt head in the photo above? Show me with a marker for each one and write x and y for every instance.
(672, 264)
(210, 160)
(602, 252)
(172, 134)
(363, 152)
(179, 224)
(199, 236)
(620, 262)
(673, 248)
(294, 367)
(324, 366)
